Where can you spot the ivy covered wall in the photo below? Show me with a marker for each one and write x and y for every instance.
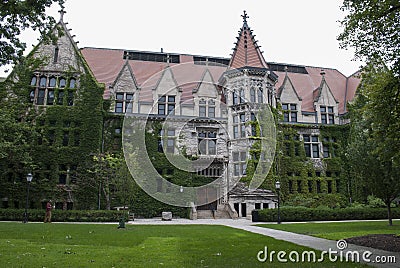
(60, 139)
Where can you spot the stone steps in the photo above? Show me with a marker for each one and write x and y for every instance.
(208, 214)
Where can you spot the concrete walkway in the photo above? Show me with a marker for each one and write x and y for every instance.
(304, 240)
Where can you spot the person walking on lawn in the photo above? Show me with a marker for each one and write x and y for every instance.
(49, 207)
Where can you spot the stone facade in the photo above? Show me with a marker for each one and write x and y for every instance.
(209, 105)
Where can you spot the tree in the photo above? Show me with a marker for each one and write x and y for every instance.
(375, 124)
(104, 175)
(17, 16)
(372, 28)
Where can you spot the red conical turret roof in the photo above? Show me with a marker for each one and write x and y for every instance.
(246, 51)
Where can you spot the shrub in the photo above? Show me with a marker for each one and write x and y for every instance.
(295, 214)
(64, 215)
(375, 202)
(313, 201)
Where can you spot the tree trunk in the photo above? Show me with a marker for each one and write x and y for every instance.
(107, 196)
(389, 213)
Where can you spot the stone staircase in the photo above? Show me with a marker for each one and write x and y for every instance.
(205, 214)
(222, 212)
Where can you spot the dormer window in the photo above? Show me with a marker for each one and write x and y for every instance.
(289, 112)
(206, 108)
(123, 102)
(327, 115)
(166, 105)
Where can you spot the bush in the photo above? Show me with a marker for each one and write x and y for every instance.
(375, 202)
(314, 201)
(64, 215)
(295, 214)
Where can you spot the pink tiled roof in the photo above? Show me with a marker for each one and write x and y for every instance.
(305, 84)
(246, 51)
(107, 63)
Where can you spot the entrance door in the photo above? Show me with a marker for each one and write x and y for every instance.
(244, 212)
(236, 206)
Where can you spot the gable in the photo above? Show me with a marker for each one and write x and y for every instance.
(61, 56)
(287, 92)
(324, 95)
(207, 87)
(167, 83)
(125, 82)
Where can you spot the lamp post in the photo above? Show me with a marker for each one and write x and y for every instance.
(278, 188)
(29, 178)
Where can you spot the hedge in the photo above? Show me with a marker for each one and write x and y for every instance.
(64, 215)
(295, 214)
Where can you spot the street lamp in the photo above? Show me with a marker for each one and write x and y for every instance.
(278, 188)
(29, 178)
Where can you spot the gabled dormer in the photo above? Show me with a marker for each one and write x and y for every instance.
(206, 97)
(167, 94)
(56, 80)
(289, 100)
(123, 91)
(60, 55)
(325, 104)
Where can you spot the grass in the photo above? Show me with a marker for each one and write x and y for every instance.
(338, 230)
(103, 245)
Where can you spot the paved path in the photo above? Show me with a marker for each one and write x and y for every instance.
(299, 239)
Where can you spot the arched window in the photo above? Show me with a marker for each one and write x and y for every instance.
(33, 81)
(43, 81)
(260, 95)
(56, 50)
(252, 95)
(242, 98)
(235, 98)
(72, 83)
(62, 82)
(207, 141)
(52, 82)
(202, 108)
(211, 108)
(32, 95)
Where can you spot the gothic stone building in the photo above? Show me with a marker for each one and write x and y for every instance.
(219, 97)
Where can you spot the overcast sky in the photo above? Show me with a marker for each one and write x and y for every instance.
(289, 31)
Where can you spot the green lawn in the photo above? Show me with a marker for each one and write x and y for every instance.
(103, 245)
(338, 230)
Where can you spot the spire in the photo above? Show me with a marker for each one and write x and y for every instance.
(62, 12)
(247, 51)
(245, 17)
